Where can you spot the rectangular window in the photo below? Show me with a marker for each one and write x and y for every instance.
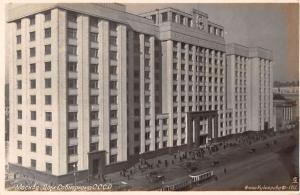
(33, 115)
(32, 68)
(19, 160)
(32, 52)
(113, 70)
(72, 116)
(72, 150)
(72, 50)
(94, 37)
(18, 24)
(33, 131)
(113, 114)
(19, 114)
(94, 146)
(113, 128)
(33, 164)
(19, 144)
(32, 36)
(48, 99)
(72, 83)
(113, 99)
(19, 39)
(33, 99)
(19, 54)
(48, 83)
(72, 66)
(19, 99)
(49, 168)
(47, 49)
(32, 20)
(33, 147)
(19, 69)
(49, 150)
(113, 143)
(72, 133)
(47, 16)
(47, 66)
(19, 84)
(113, 158)
(113, 41)
(113, 55)
(94, 84)
(32, 84)
(47, 32)
(19, 129)
(94, 53)
(72, 17)
(113, 84)
(48, 133)
(94, 21)
(48, 116)
(72, 100)
(94, 68)
(72, 33)
(94, 115)
(94, 131)
(94, 100)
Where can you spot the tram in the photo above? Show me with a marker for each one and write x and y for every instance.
(187, 182)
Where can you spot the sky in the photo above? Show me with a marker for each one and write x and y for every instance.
(271, 26)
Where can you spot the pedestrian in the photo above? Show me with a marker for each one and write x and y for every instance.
(225, 171)
(216, 178)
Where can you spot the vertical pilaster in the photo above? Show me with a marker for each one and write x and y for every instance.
(104, 87)
(122, 92)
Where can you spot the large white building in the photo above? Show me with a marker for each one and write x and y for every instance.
(249, 89)
(92, 85)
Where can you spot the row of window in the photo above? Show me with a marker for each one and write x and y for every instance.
(47, 84)
(48, 132)
(32, 35)
(33, 115)
(48, 99)
(48, 149)
(32, 69)
(47, 15)
(32, 51)
(33, 164)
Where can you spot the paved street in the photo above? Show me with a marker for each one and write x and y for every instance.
(267, 165)
(243, 168)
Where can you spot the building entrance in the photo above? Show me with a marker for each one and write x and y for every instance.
(96, 164)
(194, 135)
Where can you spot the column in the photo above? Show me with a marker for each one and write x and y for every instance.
(103, 27)
(152, 93)
(197, 131)
(210, 127)
(130, 78)
(122, 92)
(216, 126)
(189, 130)
(142, 91)
(83, 92)
(62, 89)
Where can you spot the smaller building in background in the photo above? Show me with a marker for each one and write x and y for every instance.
(284, 113)
(289, 90)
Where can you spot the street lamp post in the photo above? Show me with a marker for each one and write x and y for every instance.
(74, 168)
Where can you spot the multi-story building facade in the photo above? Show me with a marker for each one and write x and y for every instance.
(284, 113)
(249, 71)
(93, 85)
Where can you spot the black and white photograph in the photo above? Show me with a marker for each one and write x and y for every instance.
(124, 96)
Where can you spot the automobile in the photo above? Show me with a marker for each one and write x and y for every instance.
(215, 163)
(252, 150)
